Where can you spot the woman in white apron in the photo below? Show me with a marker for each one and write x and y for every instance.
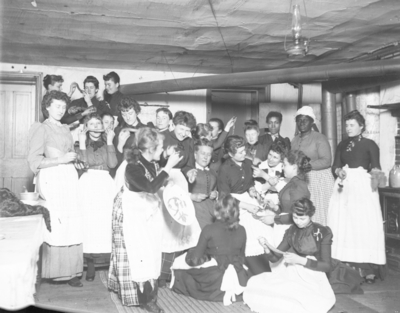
(355, 214)
(137, 224)
(303, 286)
(51, 156)
(96, 191)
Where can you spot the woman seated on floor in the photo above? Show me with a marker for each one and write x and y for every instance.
(137, 224)
(224, 241)
(303, 286)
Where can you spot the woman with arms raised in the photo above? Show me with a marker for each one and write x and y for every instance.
(137, 224)
(51, 156)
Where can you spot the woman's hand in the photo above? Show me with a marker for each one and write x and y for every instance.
(214, 195)
(230, 124)
(122, 138)
(72, 89)
(173, 160)
(341, 173)
(293, 258)
(89, 110)
(263, 242)
(253, 192)
(67, 158)
(198, 197)
(170, 150)
(272, 180)
(191, 175)
(110, 136)
(270, 204)
(82, 135)
(251, 208)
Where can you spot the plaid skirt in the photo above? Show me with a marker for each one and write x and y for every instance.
(119, 276)
(320, 184)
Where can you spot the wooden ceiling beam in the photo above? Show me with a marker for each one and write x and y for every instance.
(291, 75)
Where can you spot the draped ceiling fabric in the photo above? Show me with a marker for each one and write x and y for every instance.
(195, 36)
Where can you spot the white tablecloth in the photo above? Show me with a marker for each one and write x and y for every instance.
(19, 253)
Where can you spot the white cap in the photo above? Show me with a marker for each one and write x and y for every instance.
(306, 110)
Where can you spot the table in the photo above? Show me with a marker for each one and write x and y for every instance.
(19, 253)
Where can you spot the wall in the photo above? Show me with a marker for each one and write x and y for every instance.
(390, 93)
(284, 99)
(193, 101)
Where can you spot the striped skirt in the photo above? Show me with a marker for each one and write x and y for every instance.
(320, 184)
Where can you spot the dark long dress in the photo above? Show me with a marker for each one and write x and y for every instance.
(226, 247)
(297, 288)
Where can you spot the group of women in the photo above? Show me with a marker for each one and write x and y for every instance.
(259, 193)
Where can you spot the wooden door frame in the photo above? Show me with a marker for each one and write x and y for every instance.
(28, 78)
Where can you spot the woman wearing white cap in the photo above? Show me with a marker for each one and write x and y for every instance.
(316, 146)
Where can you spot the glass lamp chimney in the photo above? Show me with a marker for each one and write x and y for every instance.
(296, 22)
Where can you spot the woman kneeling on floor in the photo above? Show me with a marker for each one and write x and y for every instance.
(303, 286)
(215, 271)
(135, 263)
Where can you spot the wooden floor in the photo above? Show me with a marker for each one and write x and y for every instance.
(381, 297)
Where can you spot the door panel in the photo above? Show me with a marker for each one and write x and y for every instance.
(17, 114)
(228, 103)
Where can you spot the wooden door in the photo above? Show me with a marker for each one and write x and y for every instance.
(228, 103)
(17, 114)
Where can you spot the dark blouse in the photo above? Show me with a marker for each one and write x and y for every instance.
(205, 182)
(313, 240)
(294, 190)
(262, 150)
(357, 151)
(101, 107)
(267, 139)
(99, 155)
(114, 100)
(218, 143)
(233, 178)
(186, 150)
(217, 240)
(135, 176)
(129, 142)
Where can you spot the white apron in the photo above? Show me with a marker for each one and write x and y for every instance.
(96, 197)
(120, 177)
(293, 289)
(58, 185)
(355, 218)
(142, 234)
